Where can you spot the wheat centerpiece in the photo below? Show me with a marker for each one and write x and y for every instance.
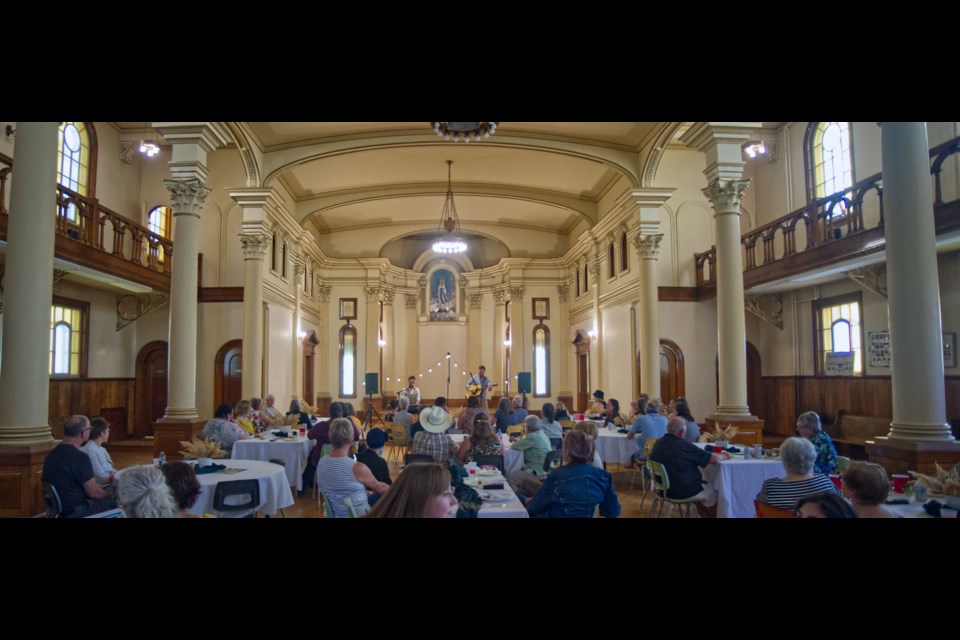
(722, 435)
(202, 450)
(943, 482)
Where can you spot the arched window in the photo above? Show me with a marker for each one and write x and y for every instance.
(68, 336)
(624, 261)
(576, 276)
(306, 277)
(839, 330)
(76, 166)
(283, 263)
(273, 252)
(829, 158)
(586, 281)
(611, 262)
(348, 361)
(158, 221)
(541, 361)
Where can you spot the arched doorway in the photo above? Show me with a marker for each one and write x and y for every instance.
(754, 380)
(581, 344)
(150, 387)
(672, 375)
(228, 374)
(310, 342)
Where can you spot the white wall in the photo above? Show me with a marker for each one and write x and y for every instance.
(278, 351)
(218, 323)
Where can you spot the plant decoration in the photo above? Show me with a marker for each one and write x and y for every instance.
(722, 434)
(197, 448)
(945, 482)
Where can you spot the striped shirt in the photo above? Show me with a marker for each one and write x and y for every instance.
(777, 492)
(335, 479)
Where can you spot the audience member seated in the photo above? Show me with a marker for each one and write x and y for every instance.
(350, 413)
(519, 408)
(575, 489)
(561, 412)
(505, 416)
(866, 486)
(613, 416)
(797, 456)
(260, 421)
(243, 417)
(681, 408)
(682, 461)
(340, 476)
(482, 441)
(826, 504)
(593, 432)
(372, 457)
(184, 486)
(469, 415)
(418, 425)
(808, 426)
(69, 470)
(391, 410)
(270, 412)
(431, 440)
(321, 433)
(403, 417)
(598, 406)
(142, 492)
(296, 415)
(535, 447)
(639, 408)
(650, 425)
(102, 464)
(422, 491)
(222, 429)
(548, 423)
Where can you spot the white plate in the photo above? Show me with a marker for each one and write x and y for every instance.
(488, 472)
(495, 496)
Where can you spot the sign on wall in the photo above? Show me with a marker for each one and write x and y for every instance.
(839, 364)
(879, 345)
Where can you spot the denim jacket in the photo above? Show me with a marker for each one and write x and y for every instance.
(574, 491)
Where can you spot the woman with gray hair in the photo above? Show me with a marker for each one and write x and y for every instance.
(797, 456)
(339, 476)
(535, 447)
(142, 492)
(808, 426)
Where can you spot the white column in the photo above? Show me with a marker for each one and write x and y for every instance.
(328, 345)
(919, 411)
(372, 332)
(28, 287)
(560, 347)
(390, 349)
(411, 345)
(519, 358)
(596, 351)
(474, 333)
(648, 248)
(496, 370)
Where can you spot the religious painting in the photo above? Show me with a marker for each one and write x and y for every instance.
(541, 308)
(348, 308)
(443, 296)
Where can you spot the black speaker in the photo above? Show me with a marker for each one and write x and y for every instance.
(371, 381)
(524, 382)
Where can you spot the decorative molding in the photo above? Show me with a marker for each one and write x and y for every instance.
(386, 297)
(725, 195)
(128, 150)
(767, 306)
(131, 308)
(324, 291)
(648, 246)
(58, 276)
(372, 294)
(422, 282)
(500, 297)
(254, 245)
(475, 300)
(563, 292)
(463, 281)
(188, 196)
(516, 293)
(872, 277)
(594, 268)
(677, 294)
(409, 301)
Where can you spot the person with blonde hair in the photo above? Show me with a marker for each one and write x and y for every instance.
(422, 490)
(339, 476)
(244, 418)
(866, 486)
(142, 492)
(561, 411)
(575, 489)
(593, 432)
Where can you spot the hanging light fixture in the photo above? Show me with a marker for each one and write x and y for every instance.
(464, 130)
(149, 148)
(449, 239)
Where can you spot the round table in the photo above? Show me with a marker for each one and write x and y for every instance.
(274, 488)
(293, 453)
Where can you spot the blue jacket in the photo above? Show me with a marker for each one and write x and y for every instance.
(574, 491)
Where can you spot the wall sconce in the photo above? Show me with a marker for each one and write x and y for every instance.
(149, 148)
(757, 148)
(507, 343)
(382, 342)
(592, 333)
(9, 131)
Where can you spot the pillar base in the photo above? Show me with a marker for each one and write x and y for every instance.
(900, 456)
(21, 465)
(749, 428)
(168, 432)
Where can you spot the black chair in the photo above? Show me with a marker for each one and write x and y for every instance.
(248, 488)
(417, 457)
(552, 460)
(556, 443)
(284, 465)
(52, 500)
(495, 460)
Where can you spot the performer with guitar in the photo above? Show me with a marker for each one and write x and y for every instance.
(478, 384)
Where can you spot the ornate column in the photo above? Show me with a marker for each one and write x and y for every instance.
(648, 248)
(411, 346)
(496, 370)
(596, 353)
(25, 435)
(520, 360)
(254, 242)
(296, 348)
(562, 347)
(388, 351)
(474, 331)
(919, 433)
(325, 357)
(369, 341)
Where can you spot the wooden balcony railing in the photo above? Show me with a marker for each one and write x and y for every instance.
(821, 223)
(90, 234)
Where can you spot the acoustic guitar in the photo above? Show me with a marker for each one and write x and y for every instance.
(475, 390)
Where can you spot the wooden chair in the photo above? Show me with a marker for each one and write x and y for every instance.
(516, 430)
(764, 510)
(661, 483)
(566, 425)
(639, 466)
(552, 460)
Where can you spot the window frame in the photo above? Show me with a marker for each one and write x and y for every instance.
(84, 335)
(624, 254)
(546, 369)
(611, 261)
(344, 330)
(819, 353)
(813, 139)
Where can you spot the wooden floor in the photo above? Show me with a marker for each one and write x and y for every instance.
(133, 451)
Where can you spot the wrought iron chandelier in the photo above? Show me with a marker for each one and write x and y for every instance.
(464, 130)
(449, 239)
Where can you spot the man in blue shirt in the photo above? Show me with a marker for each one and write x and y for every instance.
(483, 381)
(651, 425)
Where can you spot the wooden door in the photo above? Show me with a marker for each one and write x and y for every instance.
(672, 375)
(582, 345)
(754, 381)
(151, 387)
(228, 374)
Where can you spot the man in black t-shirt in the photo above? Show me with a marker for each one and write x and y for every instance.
(68, 469)
(682, 461)
(370, 456)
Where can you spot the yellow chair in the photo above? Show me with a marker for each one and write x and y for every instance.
(661, 483)
(516, 430)
(638, 468)
(399, 441)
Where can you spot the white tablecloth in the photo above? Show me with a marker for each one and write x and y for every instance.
(293, 453)
(915, 509)
(274, 488)
(614, 447)
(738, 482)
(512, 460)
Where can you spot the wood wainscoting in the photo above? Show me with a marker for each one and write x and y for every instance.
(784, 397)
(89, 397)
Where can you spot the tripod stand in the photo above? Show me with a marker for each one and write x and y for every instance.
(367, 421)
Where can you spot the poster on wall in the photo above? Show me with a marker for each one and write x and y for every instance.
(839, 364)
(443, 296)
(879, 344)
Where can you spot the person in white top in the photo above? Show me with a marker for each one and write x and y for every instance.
(103, 469)
(270, 412)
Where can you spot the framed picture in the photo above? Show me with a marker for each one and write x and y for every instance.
(949, 350)
(541, 308)
(348, 308)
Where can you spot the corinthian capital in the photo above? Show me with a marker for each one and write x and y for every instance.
(563, 292)
(516, 293)
(725, 195)
(594, 268)
(386, 296)
(409, 301)
(648, 247)
(500, 297)
(187, 195)
(324, 291)
(254, 245)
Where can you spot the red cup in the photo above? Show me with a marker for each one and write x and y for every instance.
(899, 482)
(835, 479)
